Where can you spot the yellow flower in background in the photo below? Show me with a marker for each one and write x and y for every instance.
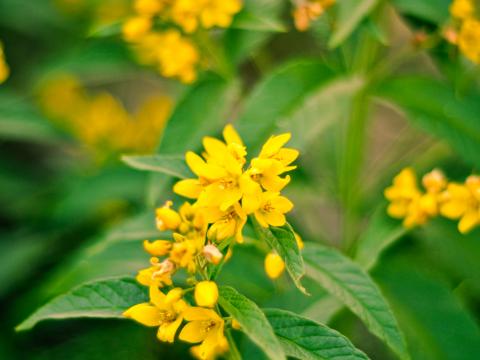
(307, 11)
(149, 7)
(462, 9)
(206, 293)
(4, 69)
(164, 311)
(218, 12)
(207, 327)
(469, 40)
(185, 14)
(274, 265)
(462, 201)
(136, 28)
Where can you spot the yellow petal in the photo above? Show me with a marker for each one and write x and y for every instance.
(282, 204)
(145, 314)
(158, 247)
(259, 215)
(198, 313)
(189, 188)
(166, 332)
(453, 209)
(274, 144)
(193, 332)
(231, 136)
(286, 156)
(468, 221)
(275, 218)
(157, 298)
(214, 147)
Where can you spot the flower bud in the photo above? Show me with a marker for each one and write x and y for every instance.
(165, 267)
(206, 293)
(212, 254)
(135, 28)
(236, 325)
(167, 219)
(434, 181)
(299, 241)
(158, 247)
(274, 265)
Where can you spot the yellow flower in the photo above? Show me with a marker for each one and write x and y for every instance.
(469, 40)
(267, 172)
(219, 12)
(225, 224)
(212, 254)
(307, 11)
(184, 251)
(159, 274)
(185, 13)
(4, 69)
(135, 28)
(272, 209)
(164, 311)
(207, 327)
(462, 9)
(158, 247)
(166, 218)
(274, 265)
(462, 201)
(206, 293)
(148, 7)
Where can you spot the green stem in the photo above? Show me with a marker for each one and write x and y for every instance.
(233, 353)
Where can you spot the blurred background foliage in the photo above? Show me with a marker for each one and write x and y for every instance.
(371, 87)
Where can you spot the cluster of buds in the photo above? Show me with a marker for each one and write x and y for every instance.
(171, 50)
(464, 29)
(225, 192)
(453, 200)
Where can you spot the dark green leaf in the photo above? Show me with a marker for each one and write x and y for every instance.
(302, 338)
(172, 165)
(435, 108)
(350, 284)
(435, 11)
(282, 240)
(252, 320)
(102, 299)
(350, 14)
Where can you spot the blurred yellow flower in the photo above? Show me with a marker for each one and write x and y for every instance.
(469, 39)
(462, 9)
(136, 28)
(462, 201)
(164, 311)
(307, 11)
(149, 7)
(206, 293)
(4, 69)
(274, 265)
(204, 326)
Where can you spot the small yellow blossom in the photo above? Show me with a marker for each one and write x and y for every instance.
(148, 7)
(4, 69)
(166, 218)
(206, 293)
(158, 274)
(274, 265)
(462, 9)
(164, 311)
(136, 28)
(272, 209)
(183, 253)
(309, 10)
(158, 247)
(219, 12)
(226, 224)
(462, 201)
(207, 327)
(469, 39)
(212, 254)
(185, 14)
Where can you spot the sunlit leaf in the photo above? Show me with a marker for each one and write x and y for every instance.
(172, 165)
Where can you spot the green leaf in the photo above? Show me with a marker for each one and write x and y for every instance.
(105, 30)
(257, 22)
(102, 299)
(303, 338)
(283, 90)
(435, 11)
(172, 165)
(252, 320)
(436, 324)
(282, 240)
(350, 14)
(434, 107)
(381, 232)
(202, 111)
(349, 283)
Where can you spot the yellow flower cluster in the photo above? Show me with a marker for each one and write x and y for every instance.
(100, 121)
(175, 54)
(450, 199)
(465, 12)
(4, 69)
(225, 191)
(307, 11)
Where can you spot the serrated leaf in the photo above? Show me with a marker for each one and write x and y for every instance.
(283, 90)
(246, 20)
(381, 232)
(303, 338)
(252, 320)
(172, 165)
(350, 14)
(349, 283)
(101, 299)
(436, 108)
(282, 240)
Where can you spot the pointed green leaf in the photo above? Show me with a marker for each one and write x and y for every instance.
(435, 11)
(173, 165)
(302, 338)
(282, 240)
(350, 14)
(252, 320)
(349, 283)
(257, 22)
(101, 299)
